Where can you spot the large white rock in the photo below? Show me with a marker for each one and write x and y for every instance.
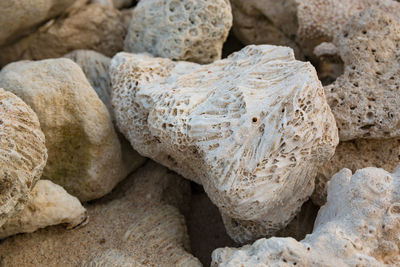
(359, 226)
(251, 128)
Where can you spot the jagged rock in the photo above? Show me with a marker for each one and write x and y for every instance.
(358, 226)
(23, 153)
(354, 155)
(191, 30)
(84, 152)
(139, 219)
(251, 128)
(91, 27)
(49, 204)
(20, 17)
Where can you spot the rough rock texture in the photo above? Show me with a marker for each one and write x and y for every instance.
(91, 27)
(250, 128)
(140, 218)
(365, 99)
(84, 152)
(23, 153)
(320, 20)
(266, 22)
(191, 30)
(19, 17)
(354, 155)
(359, 226)
(49, 204)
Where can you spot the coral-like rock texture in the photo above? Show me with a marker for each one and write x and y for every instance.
(365, 99)
(23, 153)
(91, 27)
(251, 128)
(84, 152)
(190, 30)
(19, 17)
(358, 226)
(138, 224)
(49, 204)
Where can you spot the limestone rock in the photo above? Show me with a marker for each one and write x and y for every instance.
(23, 153)
(91, 27)
(19, 17)
(354, 155)
(251, 128)
(139, 219)
(84, 152)
(49, 205)
(365, 99)
(266, 22)
(190, 30)
(358, 226)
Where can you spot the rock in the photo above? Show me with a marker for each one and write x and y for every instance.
(49, 205)
(190, 30)
(358, 226)
(20, 17)
(92, 27)
(139, 219)
(251, 128)
(23, 153)
(364, 100)
(84, 152)
(115, 3)
(354, 155)
(266, 22)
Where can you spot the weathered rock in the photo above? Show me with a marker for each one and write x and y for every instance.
(251, 129)
(91, 27)
(84, 152)
(19, 17)
(139, 219)
(365, 99)
(49, 204)
(358, 226)
(191, 30)
(354, 155)
(23, 153)
(266, 22)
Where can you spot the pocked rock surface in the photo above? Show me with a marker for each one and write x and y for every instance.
(23, 153)
(190, 30)
(84, 152)
(359, 226)
(251, 128)
(138, 224)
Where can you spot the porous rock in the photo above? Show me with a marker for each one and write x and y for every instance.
(49, 204)
(91, 27)
(190, 30)
(138, 222)
(23, 153)
(84, 152)
(358, 226)
(251, 128)
(356, 154)
(19, 17)
(365, 99)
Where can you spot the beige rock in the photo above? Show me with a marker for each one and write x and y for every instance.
(358, 226)
(354, 155)
(190, 30)
(49, 204)
(139, 219)
(84, 152)
(19, 17)
(365, 99)
(23, 153)
(266, 22)
(251, 128)
(91, 27)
